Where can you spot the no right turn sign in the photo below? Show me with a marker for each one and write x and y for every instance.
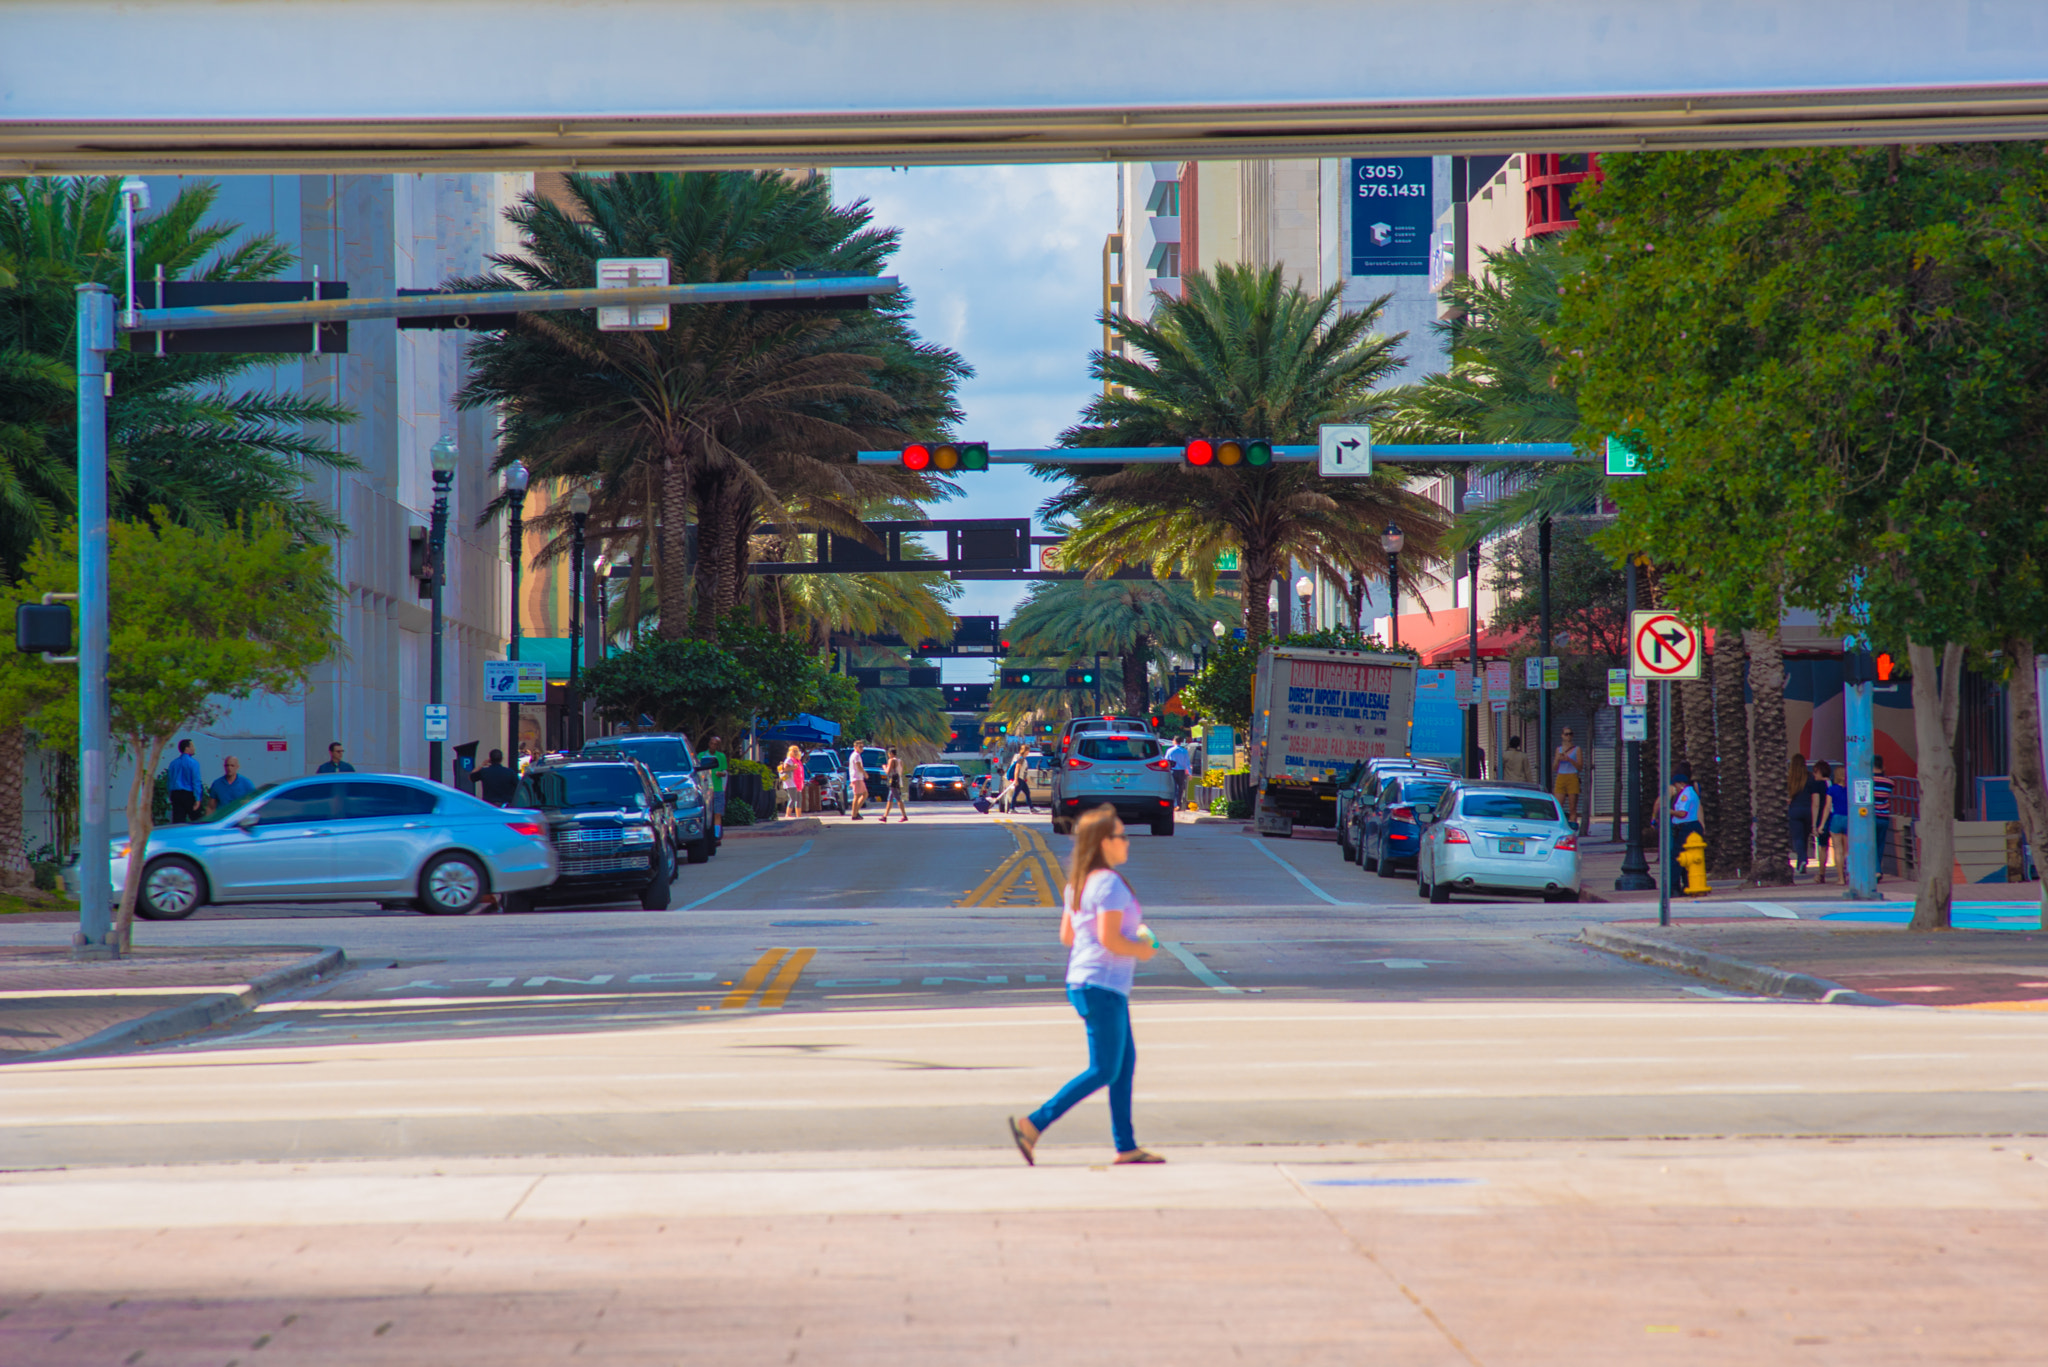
(1662, 646)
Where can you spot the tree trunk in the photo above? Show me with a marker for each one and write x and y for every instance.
(1935, 698)
(148, 752)
(1256, 584)
(672, 585)
(1773, 866)
(14, 870)
(1732, 840)
(1135, 698)
(2024, 746)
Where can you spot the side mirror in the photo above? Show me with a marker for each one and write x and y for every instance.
(671, 797)
(247, 821)
(705, 762)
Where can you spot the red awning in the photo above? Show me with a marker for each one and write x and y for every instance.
(1493, 645)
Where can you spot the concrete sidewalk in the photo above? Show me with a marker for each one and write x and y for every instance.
(1858, 963)
(1600, 865)
(52, 1005)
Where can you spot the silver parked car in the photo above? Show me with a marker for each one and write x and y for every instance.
(345, 838)
(1497, 837)
(1118, 769)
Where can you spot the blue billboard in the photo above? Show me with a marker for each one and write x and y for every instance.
(1393, 203)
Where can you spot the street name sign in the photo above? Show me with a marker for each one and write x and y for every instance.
(1623, 459)
(1345, 450)
(515, 680)
(1662, 646)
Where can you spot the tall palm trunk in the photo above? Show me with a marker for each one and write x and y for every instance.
(1773, 866)
(14, 870)
(672, 584)
(1935, 699)
(1731, 841)
(1137, 696)
(2025, 746)
(1257, 583)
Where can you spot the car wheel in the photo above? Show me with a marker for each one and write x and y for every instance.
(1163, 827)
(700, 851)
(451, 885)
(654, 897)
(172, 889)
(1365, 859)
(1439, 894)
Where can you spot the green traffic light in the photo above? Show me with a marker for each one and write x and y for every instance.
(974, 455)
(1258, 453)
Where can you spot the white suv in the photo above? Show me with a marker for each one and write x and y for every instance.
(1121, 769)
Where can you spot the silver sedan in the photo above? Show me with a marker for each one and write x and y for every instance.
(344, 838)
(1497, 837)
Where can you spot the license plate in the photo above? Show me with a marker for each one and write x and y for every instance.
(1116, 780)
(1513, 844)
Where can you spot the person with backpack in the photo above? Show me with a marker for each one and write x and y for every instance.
(1103, 927)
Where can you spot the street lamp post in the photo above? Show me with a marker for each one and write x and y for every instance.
(579, 514)
(443, 458)
(1305, 590)
(1474, 499)
(1635, 869)
(1391, 541)
(603, 632)
(515, 490)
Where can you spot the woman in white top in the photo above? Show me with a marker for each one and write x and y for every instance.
(1103, 929)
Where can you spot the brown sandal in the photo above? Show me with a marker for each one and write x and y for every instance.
(1139, 1156)
(1025, 1145)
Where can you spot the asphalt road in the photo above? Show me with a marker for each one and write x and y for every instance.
(878, 986)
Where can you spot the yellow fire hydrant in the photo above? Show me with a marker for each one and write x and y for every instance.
(1693, 859)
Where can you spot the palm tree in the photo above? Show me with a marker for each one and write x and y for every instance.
(1066, 622)
(1241, 355)
(185, 443)
(730, 418)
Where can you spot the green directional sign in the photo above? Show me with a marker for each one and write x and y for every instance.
(1623, 459)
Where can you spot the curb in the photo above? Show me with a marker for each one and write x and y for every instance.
(808, 825)
(191, 1017)
(1759, 979)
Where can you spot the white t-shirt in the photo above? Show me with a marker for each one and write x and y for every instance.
(1088, 963)
(1179, 758)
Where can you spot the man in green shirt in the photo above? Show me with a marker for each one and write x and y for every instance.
(714, 748)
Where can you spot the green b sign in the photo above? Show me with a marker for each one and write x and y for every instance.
(1623, 459)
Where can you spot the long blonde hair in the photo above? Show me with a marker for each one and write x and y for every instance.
(1796, 775)
(1089, 832)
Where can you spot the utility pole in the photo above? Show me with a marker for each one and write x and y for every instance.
(95, 892)
(516, 478)
(443, 456)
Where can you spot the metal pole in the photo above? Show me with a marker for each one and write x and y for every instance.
(95, 891)
(1635, 869)
(1664, 799)
(517, 538)
(572, 734)
(1394, 599)
(1543, 693)
(442, 479)
(1861, 722)
(1472, 766)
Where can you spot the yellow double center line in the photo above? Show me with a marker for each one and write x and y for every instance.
(777, 991)
(1029, 877)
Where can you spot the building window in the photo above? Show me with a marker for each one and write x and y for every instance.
(1165, 200)
(1551, 182)
(1165, 259)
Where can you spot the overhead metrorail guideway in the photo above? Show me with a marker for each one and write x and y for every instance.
(226, 86)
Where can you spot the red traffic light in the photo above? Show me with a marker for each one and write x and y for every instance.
(1198, 452)
(917, 457)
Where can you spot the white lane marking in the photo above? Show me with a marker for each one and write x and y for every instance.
(801, 852)
(1258, 843)
(1203, 973)
(1773, 910)
(1403, 963)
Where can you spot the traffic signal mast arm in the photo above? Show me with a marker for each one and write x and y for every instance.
(1475, 454)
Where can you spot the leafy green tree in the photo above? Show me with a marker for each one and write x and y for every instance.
(685, 685)
(1070, 621)
(1242, 355)
(731, 418)
(1834, 357)
(196, 618)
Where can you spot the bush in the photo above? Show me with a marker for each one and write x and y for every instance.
(45, 875)
(765, 773)
(1239, 808)
(738, 812)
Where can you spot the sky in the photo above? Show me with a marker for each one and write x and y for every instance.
(1004, 265)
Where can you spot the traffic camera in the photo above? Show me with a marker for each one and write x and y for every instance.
(946, 456)
(1205, 451)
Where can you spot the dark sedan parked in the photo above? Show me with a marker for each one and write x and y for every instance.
(1390, 831)
(611, 828)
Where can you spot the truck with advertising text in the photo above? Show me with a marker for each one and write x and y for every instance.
(1317, 714)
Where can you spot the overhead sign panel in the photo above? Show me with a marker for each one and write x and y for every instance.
(628, 272)
(1392, 212)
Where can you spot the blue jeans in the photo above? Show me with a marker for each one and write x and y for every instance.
(1112, 1059)
(1681, 831)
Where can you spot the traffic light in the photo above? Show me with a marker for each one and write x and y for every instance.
(1203, 451)
(992, 729)
(1023, 678)
(1884, 669)
(1080, 678)
(1045, 728)
(946, 456)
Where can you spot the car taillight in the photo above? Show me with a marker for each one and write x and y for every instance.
(1455, 835)
(527, 827)
(1160, 764)
(1402, 813)
(1076, 762)
(1570, 842)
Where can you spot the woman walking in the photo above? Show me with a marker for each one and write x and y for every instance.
(1836, 825)
(856, 781)
(1103, 928)
(791, 777)
(1799, 812)
(893, 772)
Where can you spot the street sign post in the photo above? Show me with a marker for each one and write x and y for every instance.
(1344, 450)
(1497, 681)
(1617, 687)
(437, 720)
(520, 681)
(1662, 646)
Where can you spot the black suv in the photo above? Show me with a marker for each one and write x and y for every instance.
(612, 829)
(668, 757)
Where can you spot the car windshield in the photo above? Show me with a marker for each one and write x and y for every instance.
(1510, 807)
(1119, 748)
(663, 756)
(821, 761)
(872, 758)
(595, 785)
(1420, 794)
(942, 771)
